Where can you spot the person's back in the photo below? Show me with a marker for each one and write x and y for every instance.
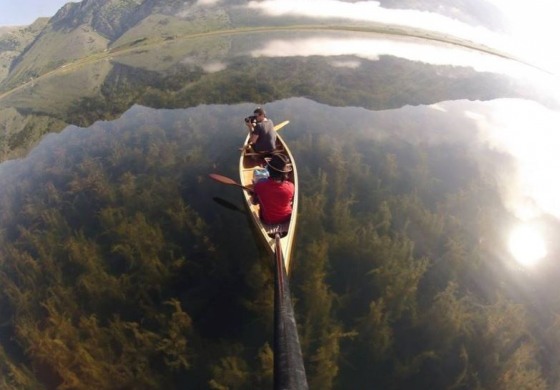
(266, 136)
(275, 199)
(275, 194)
(263, 135)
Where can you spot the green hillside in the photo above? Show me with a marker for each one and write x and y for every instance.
(80, 30)
(14, 40)
(88, 28)
(168, 27)
(62, 47)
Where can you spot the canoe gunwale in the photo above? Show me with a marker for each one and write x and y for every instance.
(247, 165)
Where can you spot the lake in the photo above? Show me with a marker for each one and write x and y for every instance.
(427, 243)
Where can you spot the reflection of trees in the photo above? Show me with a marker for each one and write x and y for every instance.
(118, 272)
(383, 84)
(100, 255)
(399, 291)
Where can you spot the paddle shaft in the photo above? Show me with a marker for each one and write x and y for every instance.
(280, 125)
(226, 180)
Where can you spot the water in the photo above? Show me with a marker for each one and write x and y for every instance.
(115, 256)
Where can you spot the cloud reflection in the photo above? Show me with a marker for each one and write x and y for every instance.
(371, 11)
(534, 29)
(346, 64)
(213, 67)
(206, 65)
(522, 134)
(527, 131)
(371, 48)
(533, 40)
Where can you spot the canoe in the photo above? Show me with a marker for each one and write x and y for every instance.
(248, 164)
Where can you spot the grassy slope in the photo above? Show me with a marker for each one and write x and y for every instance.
(161, 27)
(19, 132)
(195, 52)
(14, 39)
(53, 50)
(55, 92)
(8, 29)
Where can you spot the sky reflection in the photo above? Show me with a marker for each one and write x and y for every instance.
(371, 11)
(371, 48)
(529, 132)
(527, 245)
(514, 143)
(534, 29)
(533, 26)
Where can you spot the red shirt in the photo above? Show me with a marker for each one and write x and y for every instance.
(275, 199)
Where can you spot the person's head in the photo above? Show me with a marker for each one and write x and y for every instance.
(260, 114)
(278, 167)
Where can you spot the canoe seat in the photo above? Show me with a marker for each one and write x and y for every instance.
(281, 228)
(264, 154)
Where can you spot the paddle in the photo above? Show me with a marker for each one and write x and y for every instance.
(280, 125)
(228, 181)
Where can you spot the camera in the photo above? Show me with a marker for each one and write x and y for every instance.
(251, 119)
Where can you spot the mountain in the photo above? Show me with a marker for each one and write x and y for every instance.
(13, 41)
(80, 30)
(95, 27)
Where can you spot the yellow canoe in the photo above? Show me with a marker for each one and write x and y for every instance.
(248, 163)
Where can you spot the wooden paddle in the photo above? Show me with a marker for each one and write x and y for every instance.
(228, 181)
(280, 125)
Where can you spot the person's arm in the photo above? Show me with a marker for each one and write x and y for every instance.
(254, 196)
(254, 134)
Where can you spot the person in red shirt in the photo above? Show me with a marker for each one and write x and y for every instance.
(275, 194)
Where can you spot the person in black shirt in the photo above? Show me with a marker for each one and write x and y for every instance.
(263, 135)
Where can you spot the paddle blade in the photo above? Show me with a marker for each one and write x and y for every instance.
(227, 180)
(223, 179)
(280, 125)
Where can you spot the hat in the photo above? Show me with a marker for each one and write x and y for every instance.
(279, 163)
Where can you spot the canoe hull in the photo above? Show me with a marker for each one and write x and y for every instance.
(248, 163)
